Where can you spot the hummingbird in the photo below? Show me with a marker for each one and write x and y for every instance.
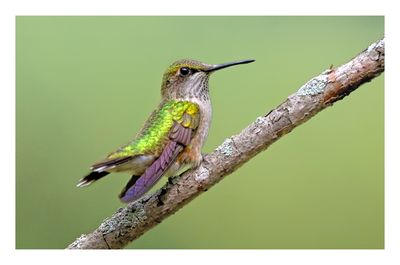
(172, 137)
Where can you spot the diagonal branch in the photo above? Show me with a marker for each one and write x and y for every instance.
(136, 218)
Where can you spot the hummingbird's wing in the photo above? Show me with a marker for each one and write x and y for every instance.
(153, 137)
(179, 135)
(135, 148)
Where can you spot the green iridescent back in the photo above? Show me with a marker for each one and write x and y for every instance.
(152, 138)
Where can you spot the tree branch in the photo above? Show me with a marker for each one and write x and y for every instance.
(136, 218)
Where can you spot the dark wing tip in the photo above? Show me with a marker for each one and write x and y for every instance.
(130, 183)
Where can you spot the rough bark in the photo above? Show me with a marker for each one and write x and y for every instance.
(136, 218)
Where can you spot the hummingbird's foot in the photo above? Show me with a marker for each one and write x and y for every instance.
(196, 163)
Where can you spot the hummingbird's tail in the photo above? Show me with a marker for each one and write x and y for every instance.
(91, 177)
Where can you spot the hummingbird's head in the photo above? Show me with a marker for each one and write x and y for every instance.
(189, 78)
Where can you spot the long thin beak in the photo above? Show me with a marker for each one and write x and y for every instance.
(225, 65)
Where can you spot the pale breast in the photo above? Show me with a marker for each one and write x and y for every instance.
(202, 130)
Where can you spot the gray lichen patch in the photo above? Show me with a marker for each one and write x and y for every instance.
(78, 242)
(122, 220)
(260, 120)
(258, 125)
(202, 175)
(140, 214)
(130, 217)
(314, 86)
(109, 225)
(226, 148)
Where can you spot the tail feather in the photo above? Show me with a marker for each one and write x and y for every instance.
(110, 163)
(91, 177)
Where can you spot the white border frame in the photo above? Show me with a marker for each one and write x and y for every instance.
(10, 9)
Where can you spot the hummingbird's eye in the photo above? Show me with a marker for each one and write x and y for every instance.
(184, 71)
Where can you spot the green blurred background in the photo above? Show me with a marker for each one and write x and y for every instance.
(85, 85)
